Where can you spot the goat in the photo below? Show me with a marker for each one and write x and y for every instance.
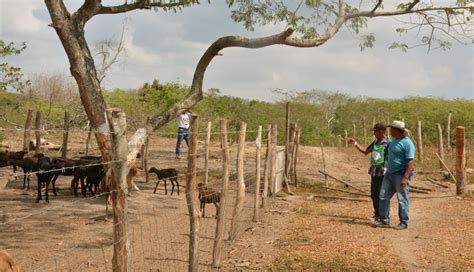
(28, 165)
(7, 263)
(208, 196)
(12, 158)
(164, 174)
(44, 164)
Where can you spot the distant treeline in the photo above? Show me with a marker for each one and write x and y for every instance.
(323, 116)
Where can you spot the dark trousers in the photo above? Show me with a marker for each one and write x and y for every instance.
(375, 186)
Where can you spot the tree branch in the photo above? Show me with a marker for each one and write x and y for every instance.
(195, 94)
(342, 8)
(140, 4)
(376, 6)
(86, 11)
(412, 5)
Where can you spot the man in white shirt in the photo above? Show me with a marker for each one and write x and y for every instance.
(183, 131)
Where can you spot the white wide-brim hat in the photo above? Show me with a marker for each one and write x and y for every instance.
(398, 124)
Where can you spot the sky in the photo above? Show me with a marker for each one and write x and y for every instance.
(167, 46)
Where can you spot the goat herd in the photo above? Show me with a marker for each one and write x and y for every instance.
(89, 171)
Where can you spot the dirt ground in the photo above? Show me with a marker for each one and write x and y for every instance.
(294, 233)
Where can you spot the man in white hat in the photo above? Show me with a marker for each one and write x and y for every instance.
(397, 179)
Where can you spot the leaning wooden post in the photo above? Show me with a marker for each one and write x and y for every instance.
(121, 260)
(239, 202)
(460, 161)
(345, 138)
(440, 145)
(258, 143)
(206, 158)
(26, 133)
(448, 132)
(38, 132)
(65, 135)
(191, 198)
(266, 169)
(273, 151)
(145, 159)
(419, 141)
(220, 225)
(364, 130)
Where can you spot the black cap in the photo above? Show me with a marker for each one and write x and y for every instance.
(379, 126)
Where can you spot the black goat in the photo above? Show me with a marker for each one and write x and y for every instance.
(44, 164)
(12, 158)
(94, 179)
(164, 174)
(28, 165)
(208, 196)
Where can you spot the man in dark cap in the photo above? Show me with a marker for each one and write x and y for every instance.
(379, 150)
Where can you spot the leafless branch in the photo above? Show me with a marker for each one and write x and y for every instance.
(379, 2)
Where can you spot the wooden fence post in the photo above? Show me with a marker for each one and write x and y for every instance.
(273, 151)
(26, 133)
(89, 134)
(38, 132)
(353, 130)
(191, 199)
(236, 220)
(258, 143)
(287, 137)
(220, 225)
(117, 122)
(419, 140)
(267, 167)
(440, 145)
(324, 166)
(145, 159)
(345, 138)
(460, 161)
(448, 132)
(65, 135)
(295, 160)
(365, 130)
(388, 130)
(206, 158)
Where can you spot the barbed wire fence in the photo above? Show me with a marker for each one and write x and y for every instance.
(72, 235)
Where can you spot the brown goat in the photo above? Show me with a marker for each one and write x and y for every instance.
(208, 196)
(7, 263)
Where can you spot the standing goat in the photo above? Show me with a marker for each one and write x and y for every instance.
(164, 174)
(208, 196)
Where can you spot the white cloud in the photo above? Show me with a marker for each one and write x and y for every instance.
(17, 15)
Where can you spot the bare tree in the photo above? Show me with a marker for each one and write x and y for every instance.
(324, 20)
(107, 51)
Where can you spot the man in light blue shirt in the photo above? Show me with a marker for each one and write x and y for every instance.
(400, 166)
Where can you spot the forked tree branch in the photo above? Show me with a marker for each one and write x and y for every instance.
(140, 4)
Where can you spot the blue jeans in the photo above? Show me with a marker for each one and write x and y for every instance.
(392, 183)
(183, 133)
